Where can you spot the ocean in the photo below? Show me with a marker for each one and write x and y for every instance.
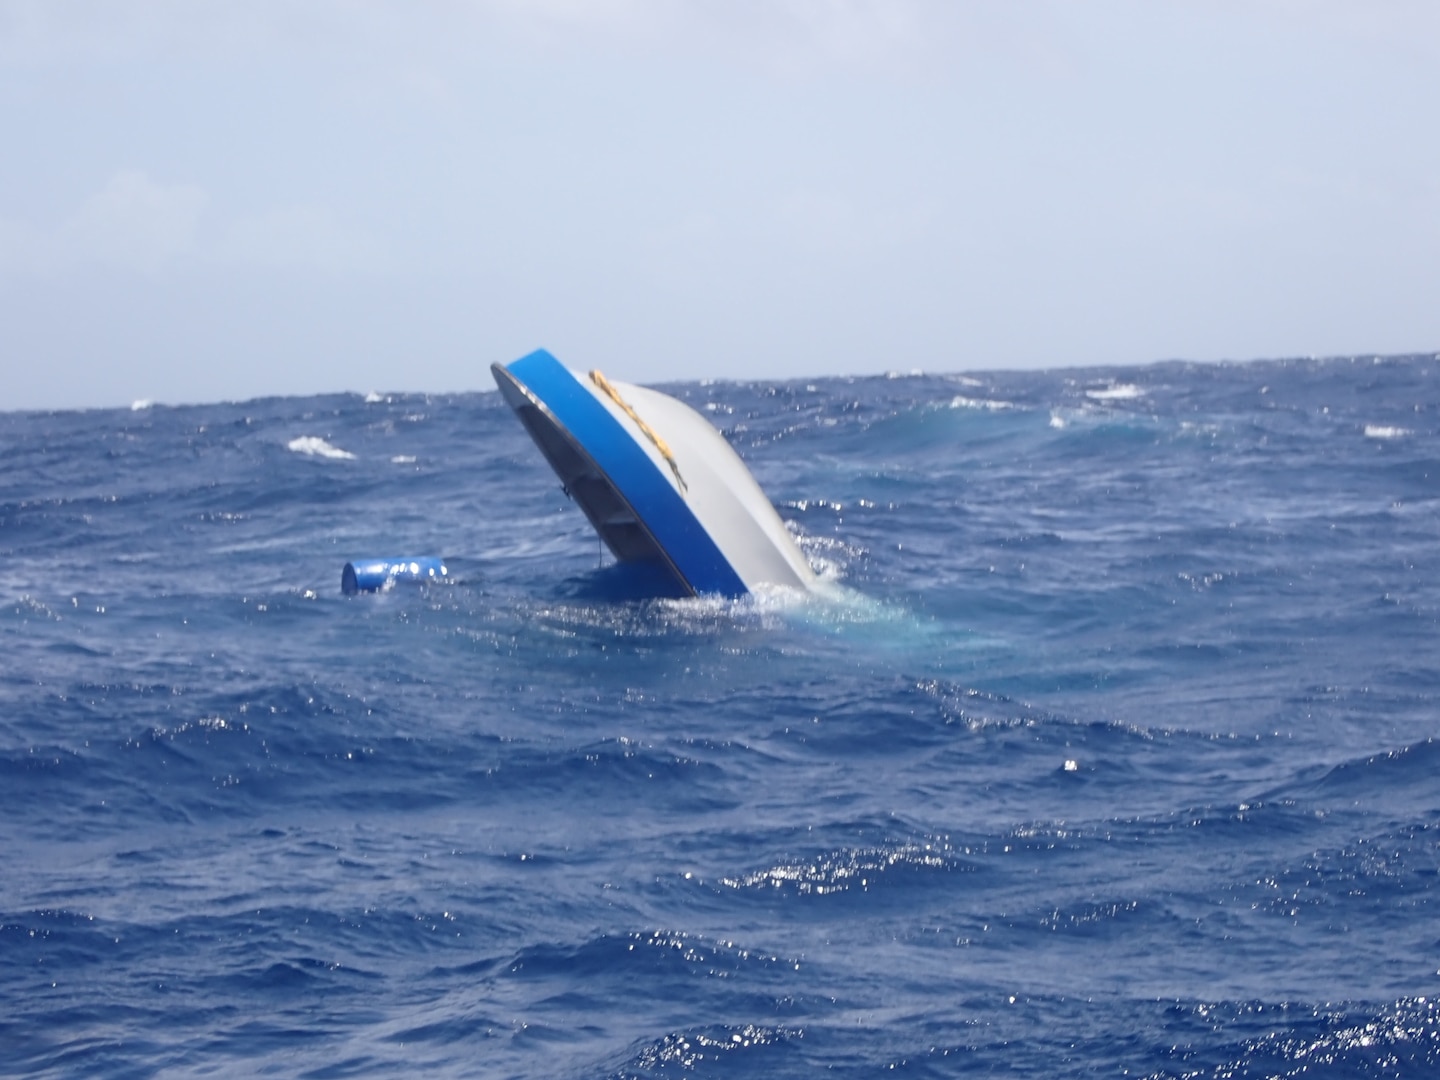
(1107, 749)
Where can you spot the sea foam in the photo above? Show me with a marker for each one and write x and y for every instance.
(314, 446)
(1383, 431)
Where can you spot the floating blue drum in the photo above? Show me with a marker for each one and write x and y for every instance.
(373, 575)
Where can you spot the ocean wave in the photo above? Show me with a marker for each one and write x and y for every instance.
(737, 1047)
(1116, 392)
(1385, 431)
(960, 401)
(1287, 1040)
(860, 869)
(314, 446)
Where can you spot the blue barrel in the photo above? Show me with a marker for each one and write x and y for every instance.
(372, 575)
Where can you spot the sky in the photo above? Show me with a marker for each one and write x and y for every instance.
(204, 201)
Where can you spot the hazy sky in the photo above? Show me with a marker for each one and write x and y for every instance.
(204, 200)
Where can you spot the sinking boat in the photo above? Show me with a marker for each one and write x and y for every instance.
(656, 480)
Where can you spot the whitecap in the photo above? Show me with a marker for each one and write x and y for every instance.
(960, 401)
(315, 446)
(403, 459)
(1116, 392)
(372, 398)
(140, 404)
(1382, 431)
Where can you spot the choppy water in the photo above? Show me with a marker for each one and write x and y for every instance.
(1110, 748)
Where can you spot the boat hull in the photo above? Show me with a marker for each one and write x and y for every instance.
(655, 479)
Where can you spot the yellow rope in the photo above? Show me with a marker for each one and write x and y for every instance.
(649, 432)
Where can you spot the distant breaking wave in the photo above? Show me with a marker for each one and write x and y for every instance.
(1381, 431)
(960, 401)
(318, 447)
(1115, 392)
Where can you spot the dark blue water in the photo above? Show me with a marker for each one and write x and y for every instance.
(1109, 750)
